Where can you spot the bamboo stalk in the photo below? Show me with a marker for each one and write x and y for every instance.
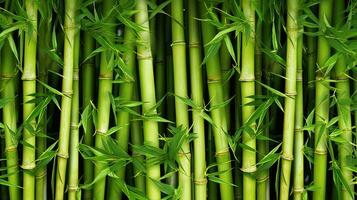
(180, 89)
(199, 161)
(88, 73)
(290, 92)
(67, 91)
(215, 90)
(344, 111)
(147, 88)
(321, 106)
(29, 88)
(247, 79)
(126, 91)
(44, 63)
(104, 92)
(299, 124)
(73, 165)
(8, 78)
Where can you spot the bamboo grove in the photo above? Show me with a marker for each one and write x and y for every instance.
(175, 99)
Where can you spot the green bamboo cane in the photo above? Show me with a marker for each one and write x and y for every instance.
(29, 88)
(199, 161)
(44, 63)
(321, 106)
(73, 165)
(147, 88)
(226, 63)
(299, 123)
(180, 89)
(290, 92)
(247, 79)
(104, 92)
(67, 90)
(126, 90)
(215, 90)
(8, 77)
(88, 73)
(311, 63)
(262, 145)
(137, 139)
(344, 110)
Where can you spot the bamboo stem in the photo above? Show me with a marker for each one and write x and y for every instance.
(8, 79)
(67, 91)
(104, 92)
(321, 107)
(215, 90)
(147, 88)
(29, 88)
(290, 91)
(73, 165)
(199, 162)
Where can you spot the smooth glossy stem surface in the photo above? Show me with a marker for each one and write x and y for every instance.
(66, 104)
(29, 88)
(147, 89)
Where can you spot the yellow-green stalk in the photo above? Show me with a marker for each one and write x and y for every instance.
(29, 88)
(147, 89)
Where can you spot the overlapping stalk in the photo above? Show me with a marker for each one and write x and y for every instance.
(247, 79)
(199, 156)
(126, 90)
(104, 92)
(290, 92)
(322, 105)
(299, 124)
(219, 126)
(180, 89)
(8, 78)
(147, 88)
(67, 91)
(88, 74)
(344, 110)
(29, 88)
(73, 165)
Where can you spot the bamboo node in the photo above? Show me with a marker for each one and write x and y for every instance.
(287, 157)
(147, 57)
(74, 126)
(28, 77)
(10, 149)
(250, 169)
(61, 155)
(298, 130)
(291, 94)
(212, 81)
(184, 154)
(98, 132)
(41, 175)
(28, 166)
(222, 153)
(177, 43)
(200, 181)
(159, 61)
(73, 187)
(105, 76)
(252, 79)
(320, 152)
(7, 76)
(261, 180)
(298, 189)
(68, 93)
(194, 44)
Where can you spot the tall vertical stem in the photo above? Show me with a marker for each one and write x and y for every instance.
(67, 91)
(290, 92)
(73, 164)
(8, 77)
(247, 78)
(199, 161)
(104, 92)
(321, 106)
(180, 88)
(215, 90)
(147, 88)
(29, 88)
(299, 123)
